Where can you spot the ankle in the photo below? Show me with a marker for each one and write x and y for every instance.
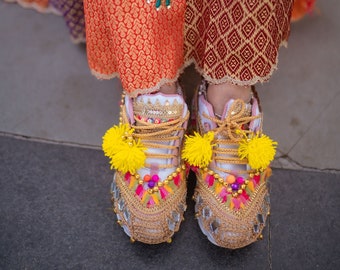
(168, 88)
(219, 94)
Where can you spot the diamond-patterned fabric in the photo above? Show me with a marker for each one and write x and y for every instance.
(236, 41)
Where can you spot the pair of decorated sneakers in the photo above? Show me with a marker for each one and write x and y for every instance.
(152, 157)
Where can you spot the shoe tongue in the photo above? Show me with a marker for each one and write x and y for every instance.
(158, 108)
(232, 108)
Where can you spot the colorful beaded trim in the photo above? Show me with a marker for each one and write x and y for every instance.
(151, 190)
(153, 120)
(233, 191)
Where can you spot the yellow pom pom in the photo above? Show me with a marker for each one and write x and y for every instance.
(126, 154)
(129, 157)
(115, 137)
(197, 149)
(259, 150)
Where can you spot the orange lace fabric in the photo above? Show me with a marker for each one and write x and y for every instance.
(236, 41)
(132, 40)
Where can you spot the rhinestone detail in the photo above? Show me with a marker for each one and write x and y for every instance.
(214, 226)
(206, 212)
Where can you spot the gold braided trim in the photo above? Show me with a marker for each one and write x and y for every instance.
(236, 228)
(150, 225)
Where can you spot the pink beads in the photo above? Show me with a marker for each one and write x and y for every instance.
(210, 180)
(239, 180)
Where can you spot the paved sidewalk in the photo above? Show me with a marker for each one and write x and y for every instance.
(47, 91)
(55, 214)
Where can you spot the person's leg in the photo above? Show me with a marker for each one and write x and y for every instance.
(145, 48)
(141, 46)
(229, 153)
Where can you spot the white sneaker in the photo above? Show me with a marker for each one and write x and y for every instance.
(150, 200)
(232, 200)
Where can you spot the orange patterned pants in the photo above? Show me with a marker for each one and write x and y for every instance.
(135, 41)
